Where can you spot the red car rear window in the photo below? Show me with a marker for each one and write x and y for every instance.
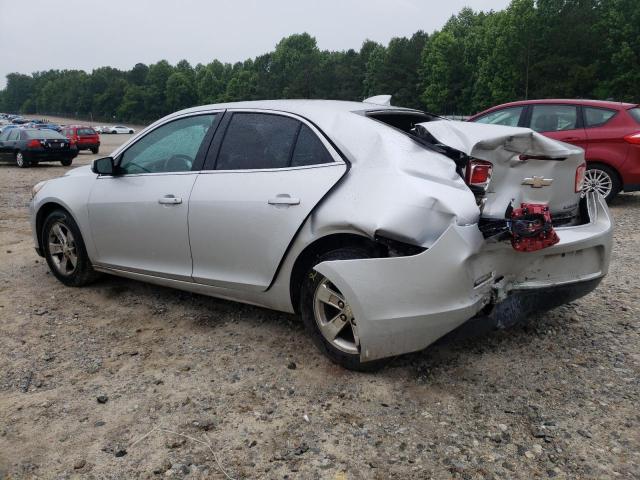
(635, 113)
(86, 131)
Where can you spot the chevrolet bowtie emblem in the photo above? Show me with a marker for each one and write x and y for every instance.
(537, 182)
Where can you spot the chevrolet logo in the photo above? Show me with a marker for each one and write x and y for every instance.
(537, 182)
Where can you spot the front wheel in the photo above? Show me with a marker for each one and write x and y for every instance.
(64, 250)
(66, 162)
(328, 318)
(603, 180)
(21, 161)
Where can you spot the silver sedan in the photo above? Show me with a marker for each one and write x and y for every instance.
(384, 228)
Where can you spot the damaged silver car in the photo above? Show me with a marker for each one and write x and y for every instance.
(385, 228)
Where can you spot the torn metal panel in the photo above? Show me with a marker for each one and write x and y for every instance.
(403, 304)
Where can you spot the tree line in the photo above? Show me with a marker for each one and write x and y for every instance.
(531, 49)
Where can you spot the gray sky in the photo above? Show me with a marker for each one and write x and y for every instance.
(85, 34)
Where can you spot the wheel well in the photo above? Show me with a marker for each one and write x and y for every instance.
(42, 214)
(323, 245)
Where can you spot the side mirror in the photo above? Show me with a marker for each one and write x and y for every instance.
(103, 166)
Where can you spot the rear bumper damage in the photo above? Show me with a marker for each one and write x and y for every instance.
(403, 304)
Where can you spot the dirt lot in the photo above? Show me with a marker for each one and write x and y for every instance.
(85, 374)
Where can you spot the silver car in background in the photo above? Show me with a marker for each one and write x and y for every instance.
(384, 228)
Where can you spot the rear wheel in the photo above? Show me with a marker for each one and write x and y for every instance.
(95, 150)
(21, 161)
(66, 162)
(601, 179)
(328, 318)
(64, 250)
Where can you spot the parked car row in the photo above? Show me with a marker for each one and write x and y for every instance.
(114, 129)
(609, 133)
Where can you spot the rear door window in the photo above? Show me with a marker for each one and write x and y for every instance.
(257, 141)
(309, 150)
(509, 117)
(596, 117)
(554, 118)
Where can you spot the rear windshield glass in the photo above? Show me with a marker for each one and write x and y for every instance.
(86, 131)
(635, 113)
(42, 134)
(405, 121)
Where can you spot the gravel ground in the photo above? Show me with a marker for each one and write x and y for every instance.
(98, 382)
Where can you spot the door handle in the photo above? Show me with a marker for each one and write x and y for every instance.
(169, 200)
(284, 199)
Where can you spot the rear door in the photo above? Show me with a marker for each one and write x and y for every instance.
(265, 175)
(558, 121)
(605, 129)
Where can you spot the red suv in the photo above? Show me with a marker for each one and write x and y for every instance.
(84, 137)
(609, 133)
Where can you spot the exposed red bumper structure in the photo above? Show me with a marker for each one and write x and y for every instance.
(531, 228)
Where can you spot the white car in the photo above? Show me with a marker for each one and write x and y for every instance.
(384, 228)
(118, 129)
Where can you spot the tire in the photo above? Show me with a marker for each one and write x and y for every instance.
(61, 244)
(130, 132)
(602, 179)
(66, 162)
(344, 349)
(95, 150)
(21, 161)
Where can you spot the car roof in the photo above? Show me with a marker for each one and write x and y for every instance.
(306, 108)
(573, 101)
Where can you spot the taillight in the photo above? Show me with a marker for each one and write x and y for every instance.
(633, 138)
(580, 173)
(34, 144)
(478, 173)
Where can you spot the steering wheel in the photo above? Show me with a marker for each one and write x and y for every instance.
(178, 163)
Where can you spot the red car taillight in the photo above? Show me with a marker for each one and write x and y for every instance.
(633, 138)
(580, 173)
(34, 144)
(478, 173)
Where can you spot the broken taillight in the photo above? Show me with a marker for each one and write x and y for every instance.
(531, 227)
(580, 174)
(478, 173)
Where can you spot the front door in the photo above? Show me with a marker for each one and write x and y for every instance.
(270, 172)
(139, 217)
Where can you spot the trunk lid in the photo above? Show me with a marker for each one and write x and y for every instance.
(527, 167)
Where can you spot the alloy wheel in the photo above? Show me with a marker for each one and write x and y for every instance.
(62, 248)
(20, 159)
(334, 318)
(596, 180)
